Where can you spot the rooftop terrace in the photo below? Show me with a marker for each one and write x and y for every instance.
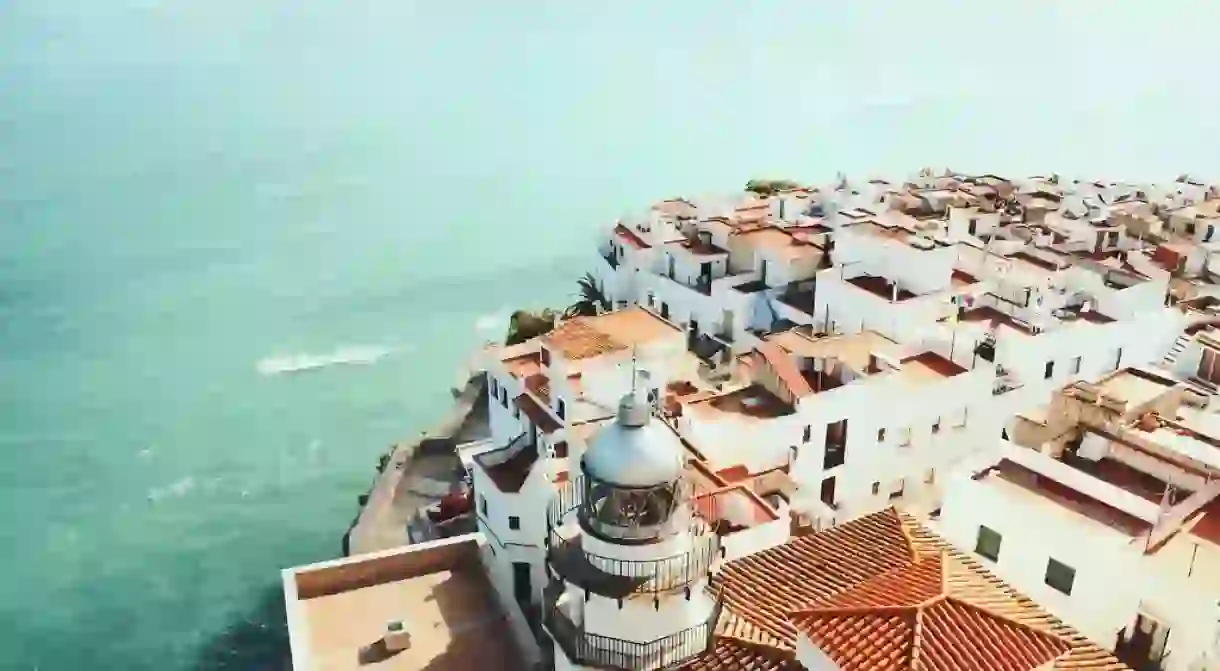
(338, 611)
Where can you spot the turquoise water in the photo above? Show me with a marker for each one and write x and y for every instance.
(188, 190)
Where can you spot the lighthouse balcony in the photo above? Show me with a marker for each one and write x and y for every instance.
(662, 555)
(608, 652)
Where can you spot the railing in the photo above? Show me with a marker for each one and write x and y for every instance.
(612, 576)
(597, 650)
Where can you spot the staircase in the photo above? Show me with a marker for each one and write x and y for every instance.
(1179, 346)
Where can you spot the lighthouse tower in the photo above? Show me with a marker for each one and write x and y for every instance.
(629, 552)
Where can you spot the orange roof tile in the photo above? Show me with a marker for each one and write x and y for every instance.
(865, 590)
(576, 340)
(905, 619)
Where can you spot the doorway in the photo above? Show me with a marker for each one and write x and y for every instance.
(522, 588)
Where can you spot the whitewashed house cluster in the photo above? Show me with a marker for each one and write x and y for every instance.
(742, 461)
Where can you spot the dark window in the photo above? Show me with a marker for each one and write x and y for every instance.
(561, 449)
(1049, 370)
(545, 356)
(482, 505)
(1118, 359)
(1004, 434)
(834, 456)
(495, 389)
(828, 491)
(1060, 576)
(936, 426)
(897, 493)
(514, 522)
(1075, 366)
(559, 408)
(988, 543)
(876, 488)
(807, 434)
(974, 226)
(664, 310)
(880, 435)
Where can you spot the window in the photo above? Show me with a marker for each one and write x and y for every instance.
(808, 433)
(1060, 576)
(545, 356)
(1075, 366)
(514, 522)
(898, 491)
(495, 389)
(559, 407)
(936, 426)
(1004, 434)
(1118, 359)
(482, 504)
(516, 411)
(930, 477)
(905, 438)
(988, 543)
(974, 225)
(880, 435)
(962, 421)
(1049, 370)
(876, 488)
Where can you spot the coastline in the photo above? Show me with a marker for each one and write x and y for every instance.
(409, 474)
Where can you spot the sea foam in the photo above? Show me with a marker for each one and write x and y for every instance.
(355, 355)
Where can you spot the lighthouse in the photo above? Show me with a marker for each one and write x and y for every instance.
(630, 549)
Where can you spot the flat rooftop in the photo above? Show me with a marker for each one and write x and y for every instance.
(880, 287)
(588, 337)
(1036, 492)
(853, 348)
(338, 611)
(1134, 386)
(752, 402)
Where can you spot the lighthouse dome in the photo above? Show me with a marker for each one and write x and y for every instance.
(634, 451)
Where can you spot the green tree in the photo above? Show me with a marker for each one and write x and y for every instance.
(523, 325)
(768, 187)
(590, 299)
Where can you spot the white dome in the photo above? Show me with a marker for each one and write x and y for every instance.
(634, 451)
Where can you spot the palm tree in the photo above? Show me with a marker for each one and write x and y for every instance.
(590, 300)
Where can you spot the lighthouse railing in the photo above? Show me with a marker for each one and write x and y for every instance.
(614, 576)
(601, 651)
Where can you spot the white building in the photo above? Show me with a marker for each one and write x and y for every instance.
(1107, 514)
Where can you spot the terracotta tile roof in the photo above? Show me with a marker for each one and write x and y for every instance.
(576, 340)
(905, 619)
(734, 654)
(867, 589)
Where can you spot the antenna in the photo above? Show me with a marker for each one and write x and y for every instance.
(634, 368)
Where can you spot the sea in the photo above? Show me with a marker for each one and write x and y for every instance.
(245, 246)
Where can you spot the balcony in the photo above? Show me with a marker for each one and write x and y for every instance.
(607, 652)
(702, 283)
(616, 578)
